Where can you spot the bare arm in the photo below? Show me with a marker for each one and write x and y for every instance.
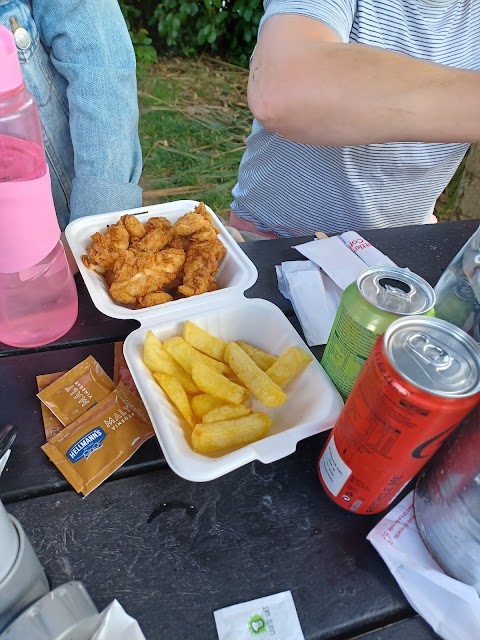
(312, 88)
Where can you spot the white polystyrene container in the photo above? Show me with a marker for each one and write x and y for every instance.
(313, 403)
(236, 273)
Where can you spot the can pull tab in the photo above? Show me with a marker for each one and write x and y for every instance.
(395, 295)
(432, 354)
(438, 362)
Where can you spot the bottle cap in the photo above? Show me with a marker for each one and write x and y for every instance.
(11, 76)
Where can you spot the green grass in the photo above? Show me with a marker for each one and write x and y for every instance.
(445, 206)
(193, 123)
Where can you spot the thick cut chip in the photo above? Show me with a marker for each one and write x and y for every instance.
(151, 349)
(212, 382)
(261, 359)
(215, 436)
(177, 395)
(226, 412)
(158, 360)
(185, 355)
(203, 341)
(256, 380)
(291, 363)
(204, 403)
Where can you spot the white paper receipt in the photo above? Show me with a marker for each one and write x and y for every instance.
(333, 469)
(274, 616)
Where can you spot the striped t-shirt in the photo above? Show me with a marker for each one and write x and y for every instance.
(296, 189)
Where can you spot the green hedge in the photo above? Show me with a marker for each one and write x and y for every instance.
(226, 28)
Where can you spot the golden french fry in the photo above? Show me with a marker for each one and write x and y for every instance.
(151, 348)
(185, 354)
(160, 361)
(177, 395)
(226, 412)
(203, 341)
(292, 362)
(261, 358)
(212, 382)
(215, 436)
(256, 380)
(204, 403)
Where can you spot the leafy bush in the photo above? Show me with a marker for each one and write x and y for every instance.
(227, 28)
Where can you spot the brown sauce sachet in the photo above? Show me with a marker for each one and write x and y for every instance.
(77, 391)
(51, 424)
(99, 442)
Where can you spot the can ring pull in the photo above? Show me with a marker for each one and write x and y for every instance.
(428, 351)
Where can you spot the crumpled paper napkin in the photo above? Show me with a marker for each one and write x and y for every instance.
(314, 297)
(450, 607)
(314, 287)
(116, 624)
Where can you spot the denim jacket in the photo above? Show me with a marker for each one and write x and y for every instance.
(78, 62)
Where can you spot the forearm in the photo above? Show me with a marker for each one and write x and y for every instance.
(325, 93)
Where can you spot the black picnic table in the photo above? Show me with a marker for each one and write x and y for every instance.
(173, 551)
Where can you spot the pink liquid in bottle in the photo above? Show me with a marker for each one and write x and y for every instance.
(20, 159)
(40, 304)
(38, 296)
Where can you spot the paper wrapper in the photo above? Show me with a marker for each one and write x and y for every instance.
(270, 616)
(451, 607)
(315, 286)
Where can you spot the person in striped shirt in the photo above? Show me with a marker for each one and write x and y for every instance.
(363, 110)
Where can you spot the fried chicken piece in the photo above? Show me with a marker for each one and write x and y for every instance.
(197, 225)
(201, 266)
(87, 262)
(179, 242)
(135, 228)
(157, 221)
(206, 215)
(94, 267)
(137, 274)
(189, 223)
(155, 240)
(206, 234)
(151, 299)
(107, 247)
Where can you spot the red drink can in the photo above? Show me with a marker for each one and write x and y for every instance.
(420, 380)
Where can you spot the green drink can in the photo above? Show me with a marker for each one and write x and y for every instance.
(368, 306)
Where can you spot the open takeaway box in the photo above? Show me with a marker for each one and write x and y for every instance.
(313, 404)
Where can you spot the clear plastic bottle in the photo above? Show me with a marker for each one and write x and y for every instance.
(38, 297)
(458, 290)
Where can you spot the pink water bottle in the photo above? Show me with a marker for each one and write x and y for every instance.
(38, 297)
